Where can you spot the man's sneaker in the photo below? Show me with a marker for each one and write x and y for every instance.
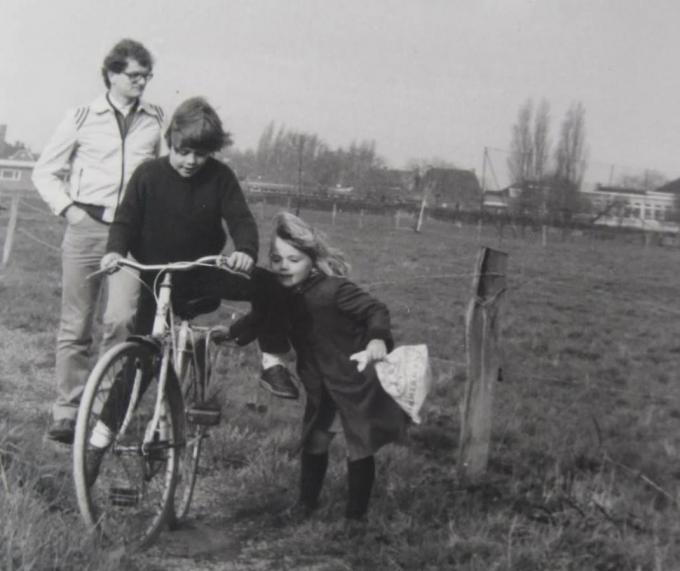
(278, 381)
(62, 431)
(93, 461)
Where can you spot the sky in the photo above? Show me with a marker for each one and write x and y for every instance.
(426, 80)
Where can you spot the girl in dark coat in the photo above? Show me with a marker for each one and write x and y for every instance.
(332, 319)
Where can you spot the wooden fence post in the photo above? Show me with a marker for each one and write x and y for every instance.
(11, 228)
(483, 362)
(334, 213)
(421, 215)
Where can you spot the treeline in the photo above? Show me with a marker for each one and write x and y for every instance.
(287, 156)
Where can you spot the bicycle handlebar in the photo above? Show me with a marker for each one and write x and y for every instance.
(173, 266)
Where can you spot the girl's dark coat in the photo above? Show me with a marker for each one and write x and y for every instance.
(331, 318)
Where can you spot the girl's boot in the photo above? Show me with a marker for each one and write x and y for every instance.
(360, 477)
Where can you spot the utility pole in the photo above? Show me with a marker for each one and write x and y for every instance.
(301, 146)
(423, 203)
(481, 200)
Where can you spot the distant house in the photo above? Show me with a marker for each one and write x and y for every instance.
(15, 175)
(16, 166)
(457, 189)
(16, 151)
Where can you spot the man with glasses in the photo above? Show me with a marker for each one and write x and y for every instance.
(81, 174)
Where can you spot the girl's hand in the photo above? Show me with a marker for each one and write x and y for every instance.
(376, 350)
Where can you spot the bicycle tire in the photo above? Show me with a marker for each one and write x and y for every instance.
(130, 501)
(192, 382)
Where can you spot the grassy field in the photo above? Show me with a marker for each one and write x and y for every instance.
(585, 460)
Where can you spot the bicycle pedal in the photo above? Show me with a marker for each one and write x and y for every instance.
(204, 416)
(123, 497)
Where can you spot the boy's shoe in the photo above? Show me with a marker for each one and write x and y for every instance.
(278, 381)
(93, 461)
(62, 430)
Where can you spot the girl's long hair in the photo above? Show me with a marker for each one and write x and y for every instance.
(327, 259)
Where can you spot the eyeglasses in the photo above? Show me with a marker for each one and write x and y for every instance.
(134, 77)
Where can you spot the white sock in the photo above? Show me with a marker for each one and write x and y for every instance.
(270, 360)
(101, 435)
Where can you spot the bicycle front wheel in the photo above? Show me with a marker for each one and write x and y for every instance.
(125, 488)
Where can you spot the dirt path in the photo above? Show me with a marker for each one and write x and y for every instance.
(207, 542)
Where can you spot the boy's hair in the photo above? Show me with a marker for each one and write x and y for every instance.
(313, 242)
(116, 60)
(196, 125)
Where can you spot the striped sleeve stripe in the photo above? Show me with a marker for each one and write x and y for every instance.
(81, 116)
(159, 114)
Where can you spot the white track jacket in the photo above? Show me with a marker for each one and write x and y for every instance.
(87, 160)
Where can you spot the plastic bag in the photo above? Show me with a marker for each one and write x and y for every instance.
(406, 376)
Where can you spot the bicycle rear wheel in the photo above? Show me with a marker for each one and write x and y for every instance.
(131, 498)
(191, 383)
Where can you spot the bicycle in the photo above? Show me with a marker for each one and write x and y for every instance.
(153, 387)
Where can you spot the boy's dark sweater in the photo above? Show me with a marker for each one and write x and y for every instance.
(165, 217)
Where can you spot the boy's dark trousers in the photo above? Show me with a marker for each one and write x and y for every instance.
(262, 290)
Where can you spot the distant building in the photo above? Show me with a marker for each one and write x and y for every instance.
(16, 166)
(672, 187)
(633, 208)
(15, 175)
(456, 189)
(4, 147)
(16, 151)
(390, 185)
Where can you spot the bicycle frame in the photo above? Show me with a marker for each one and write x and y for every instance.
(160, 326)
(163, 322)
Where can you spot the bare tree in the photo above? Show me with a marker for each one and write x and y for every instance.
(564, 199)
(541, 141)
(570, 154)
(528, 160)
(521, 159)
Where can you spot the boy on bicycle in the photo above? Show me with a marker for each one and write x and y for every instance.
(173, 210)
